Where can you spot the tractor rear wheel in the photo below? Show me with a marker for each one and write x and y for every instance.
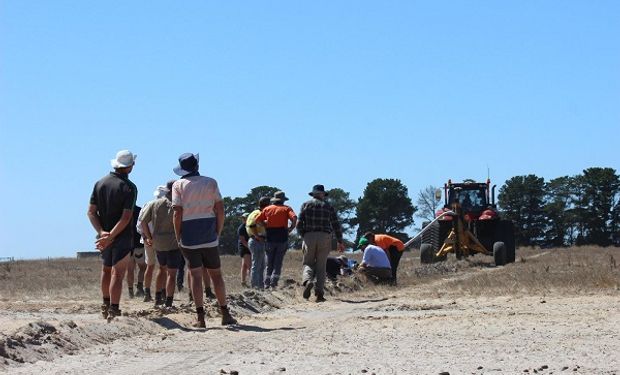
(426, 253)
(499, 253)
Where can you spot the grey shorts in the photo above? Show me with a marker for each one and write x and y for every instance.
(208, 257)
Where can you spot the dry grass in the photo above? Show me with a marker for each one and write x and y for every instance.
(586, 270)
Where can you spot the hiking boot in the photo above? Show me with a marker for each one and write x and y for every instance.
(209, 294)
(200, 321)
(131, 294)
(147, 297)
(139, 290)
(320, 297)
(308, 289)
(227, 319)
(104, 310)
(159, 300)
(113, 312)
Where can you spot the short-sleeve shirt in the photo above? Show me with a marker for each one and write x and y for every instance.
(252, 227)
(385, 242)
(159, 215)
(197, 195)
(374, 256)
(113, 194)
(276, 217)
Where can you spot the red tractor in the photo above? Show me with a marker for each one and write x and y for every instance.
(467, 224)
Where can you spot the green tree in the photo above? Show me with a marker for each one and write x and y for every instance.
(345, 208)
(560, 197)
(599, 188)
(522, 201)
(385, 207)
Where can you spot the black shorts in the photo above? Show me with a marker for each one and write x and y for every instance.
(170, 259)
(207, 257)
(114, 254)
(243, 251)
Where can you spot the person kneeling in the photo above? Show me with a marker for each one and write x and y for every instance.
(375, 263)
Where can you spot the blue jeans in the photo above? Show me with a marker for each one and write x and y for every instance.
(275, 257)
(257, 248)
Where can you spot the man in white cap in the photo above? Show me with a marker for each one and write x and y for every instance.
(110, 213)
(198, 222)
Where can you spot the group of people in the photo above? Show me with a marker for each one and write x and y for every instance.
(182, 225)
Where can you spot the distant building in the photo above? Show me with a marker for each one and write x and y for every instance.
(88, 254)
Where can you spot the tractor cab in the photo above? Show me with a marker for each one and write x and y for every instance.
(476, 200)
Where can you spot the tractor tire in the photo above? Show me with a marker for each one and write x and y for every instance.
(499, 253)
(505, 234)
(426, 253)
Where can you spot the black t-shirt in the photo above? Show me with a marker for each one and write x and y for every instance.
(113, 194)
(242, 232)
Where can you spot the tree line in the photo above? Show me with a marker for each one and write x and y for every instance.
(564, 211)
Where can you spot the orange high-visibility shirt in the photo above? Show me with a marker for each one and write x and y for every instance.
(384, 241)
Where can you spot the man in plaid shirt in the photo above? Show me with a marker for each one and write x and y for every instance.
(317, 221)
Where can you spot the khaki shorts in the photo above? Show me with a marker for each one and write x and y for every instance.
(151, 257)
(137, 255)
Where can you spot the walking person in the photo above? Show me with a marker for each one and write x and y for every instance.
(244, 250)
(317, 223)
(150, 255)
(198, 222)
(162, 238)
(392, 246)
(257, 244)
(110, 212)
(279, 220)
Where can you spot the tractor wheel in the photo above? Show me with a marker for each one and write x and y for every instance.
(426, 253)
(499, 253)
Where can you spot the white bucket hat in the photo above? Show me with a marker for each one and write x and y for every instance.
(124, 159)
(160, 191)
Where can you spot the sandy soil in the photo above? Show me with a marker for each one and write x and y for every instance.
(392, 334)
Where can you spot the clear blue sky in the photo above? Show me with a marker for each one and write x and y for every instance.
(291, 94)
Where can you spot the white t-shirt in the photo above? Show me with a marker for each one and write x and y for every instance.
(374, 256)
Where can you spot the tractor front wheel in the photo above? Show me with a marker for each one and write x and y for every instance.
(499, 253)
(426, 253)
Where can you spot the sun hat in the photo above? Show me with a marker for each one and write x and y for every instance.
(160, 191)
(318, 189)
(188, 163)
(279, 196)
(124, 159)
(263, 201)
(363, 241)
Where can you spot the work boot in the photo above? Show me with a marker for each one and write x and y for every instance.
(209, 294)
(320, 297)
(227, 319)
(139, 290)
(113, 312)
(169, 301)
(200, 321)
(308, 289)
(147, 295)
(131, 294)
(104, 310)
(159, 299)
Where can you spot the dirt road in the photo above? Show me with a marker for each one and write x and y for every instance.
(395, 335)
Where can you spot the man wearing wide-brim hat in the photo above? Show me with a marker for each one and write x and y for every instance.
(279, 220)
(317, 224)
(198, 222)
(111, 212)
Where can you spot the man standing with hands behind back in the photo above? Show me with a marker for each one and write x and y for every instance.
(111, 212)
